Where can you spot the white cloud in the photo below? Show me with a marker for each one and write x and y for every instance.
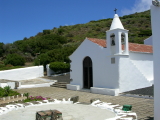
(139, 6)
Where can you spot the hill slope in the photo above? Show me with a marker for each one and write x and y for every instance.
(57, 44)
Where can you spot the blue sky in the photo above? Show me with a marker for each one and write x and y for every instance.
(25, 18)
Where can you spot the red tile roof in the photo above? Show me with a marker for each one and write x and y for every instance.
(132, 46)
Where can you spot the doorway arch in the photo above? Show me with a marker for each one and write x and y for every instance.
(87, 73)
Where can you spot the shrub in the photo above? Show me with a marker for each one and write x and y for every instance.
(13, 93)
(60, 31)
(59, 66)
(15, 60)
(7, 91)
(9, 65)
(27, 95)
(98, 29)
(1, 92)
(69, 35)
(46, 32)
(2, 64)
(37, 98)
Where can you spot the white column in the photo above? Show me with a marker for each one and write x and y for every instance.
(155, 21)
(126, 44)
(118, 42)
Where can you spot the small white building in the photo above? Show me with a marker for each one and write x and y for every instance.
(113, 65)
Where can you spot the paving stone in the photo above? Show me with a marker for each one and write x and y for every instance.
(143, 107)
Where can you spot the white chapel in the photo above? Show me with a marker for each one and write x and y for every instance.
(111, 66)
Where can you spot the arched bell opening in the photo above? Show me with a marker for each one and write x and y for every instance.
(112, 38)
(123, 42)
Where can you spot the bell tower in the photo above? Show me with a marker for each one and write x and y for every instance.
(117, 37)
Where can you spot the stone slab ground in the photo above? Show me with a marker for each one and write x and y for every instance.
(143, 107)
(69, 112)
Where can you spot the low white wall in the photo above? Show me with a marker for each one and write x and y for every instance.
(105, 91)
(73, 87)
(22, 73)
(49, 71)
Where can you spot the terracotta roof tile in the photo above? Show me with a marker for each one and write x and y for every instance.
(132, 46)
(100, 42)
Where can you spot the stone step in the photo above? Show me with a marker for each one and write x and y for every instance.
(59, 84)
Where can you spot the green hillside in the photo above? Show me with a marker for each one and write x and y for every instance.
(57, 44)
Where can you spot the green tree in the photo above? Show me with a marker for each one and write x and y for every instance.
(60, 31)
(42, 59)
(46, 32)
(1, 49)
(14, 59)
(145, 33)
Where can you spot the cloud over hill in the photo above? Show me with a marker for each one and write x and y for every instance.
(139, 6)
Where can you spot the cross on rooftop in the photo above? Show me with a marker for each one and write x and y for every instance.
(115, 10)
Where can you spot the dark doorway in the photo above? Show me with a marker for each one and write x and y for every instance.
(87, 73)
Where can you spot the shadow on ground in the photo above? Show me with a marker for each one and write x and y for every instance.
(148, 118)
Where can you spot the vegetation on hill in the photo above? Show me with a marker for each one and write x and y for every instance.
(15, 59)
(58, 43)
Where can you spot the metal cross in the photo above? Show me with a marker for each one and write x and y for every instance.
(115, 10)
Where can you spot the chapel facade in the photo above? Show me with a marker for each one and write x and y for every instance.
(111, 66)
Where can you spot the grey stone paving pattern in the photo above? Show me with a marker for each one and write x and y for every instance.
(143, 107)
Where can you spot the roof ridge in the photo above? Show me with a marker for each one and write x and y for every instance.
(132, 46)
(128, 42)
(139, 44)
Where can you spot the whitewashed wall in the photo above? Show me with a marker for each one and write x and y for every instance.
(144, 63)
(105, 74)
(148, 41)
(22, 73)
(155, 21)
(49, 71)
(128, 73)
(130, 76)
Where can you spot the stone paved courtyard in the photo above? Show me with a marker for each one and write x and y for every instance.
(143, 107)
